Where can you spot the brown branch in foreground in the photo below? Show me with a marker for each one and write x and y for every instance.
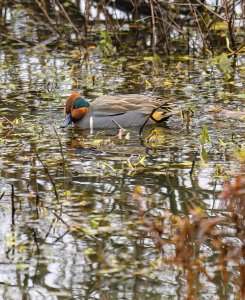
(120, 129)
(10, 122)
(150, 115)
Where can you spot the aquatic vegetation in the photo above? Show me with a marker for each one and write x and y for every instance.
(156, 213)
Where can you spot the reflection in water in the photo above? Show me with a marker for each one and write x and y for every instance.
(99, 239)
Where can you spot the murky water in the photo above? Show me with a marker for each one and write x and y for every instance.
(77, 229)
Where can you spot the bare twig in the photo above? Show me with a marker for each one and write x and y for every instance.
(86, 15)
(53, 28)
(49, 176)
(60, 237)
(120, 129)
(210, 10)
(230, 12)
(72, 24)
(36, 184)
(193, 163)
(150, 115)
(35, 239)
(154, 36)
(14, 39)
(44, 23)
(110, 23)
(58, 217)
(193, 10)
(118, 125)
(10, 122)
(12, 204)
(60, 144)
(2, 195)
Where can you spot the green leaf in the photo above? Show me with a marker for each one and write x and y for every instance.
(241, 96)
(220, 26)
(224, 62)
(107, 165)
(205, 136)
(12, 86)
(148, 84)
(106, 45)
(94, 224)
(97, 142)
(42, 75)
(218, 170)
(22, 266)
(204, 154)
(67, 4)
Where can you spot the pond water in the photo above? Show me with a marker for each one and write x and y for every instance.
(96, 216)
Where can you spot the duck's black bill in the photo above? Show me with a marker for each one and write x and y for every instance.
(67, 121)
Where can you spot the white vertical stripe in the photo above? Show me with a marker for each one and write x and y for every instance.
(91, 124)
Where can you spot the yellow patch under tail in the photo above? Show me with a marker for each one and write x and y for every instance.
(158, 116)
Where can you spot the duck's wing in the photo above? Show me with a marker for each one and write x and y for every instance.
(119, 104)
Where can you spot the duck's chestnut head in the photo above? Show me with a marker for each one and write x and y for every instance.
(75, 109)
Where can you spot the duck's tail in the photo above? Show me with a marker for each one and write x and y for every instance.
(162, 113)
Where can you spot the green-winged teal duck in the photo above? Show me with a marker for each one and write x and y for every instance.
(112, 111)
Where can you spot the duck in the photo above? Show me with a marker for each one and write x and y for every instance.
(114, 111)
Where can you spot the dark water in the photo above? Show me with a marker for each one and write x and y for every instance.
(88, 240)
